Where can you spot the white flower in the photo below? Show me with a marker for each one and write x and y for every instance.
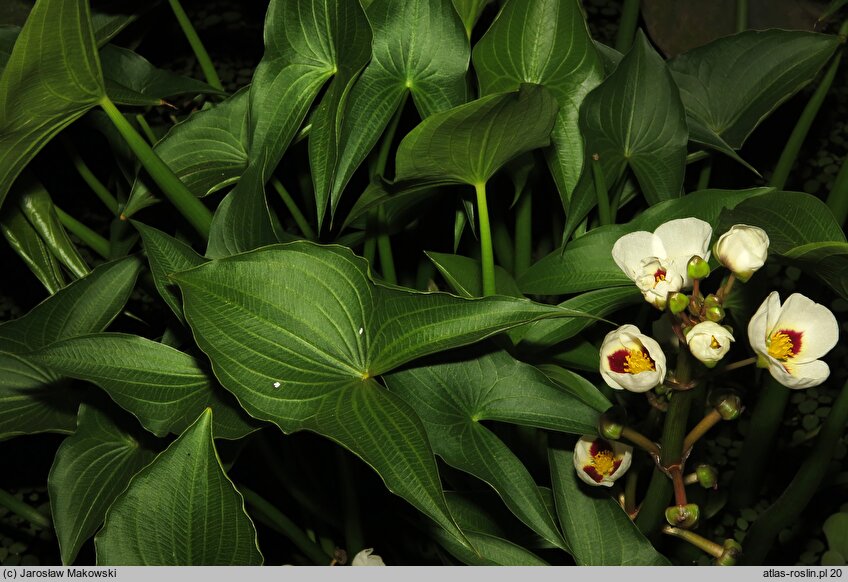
(789, 340)
(743, 249)
(631, 360)
(709, 342)
(364, 558)
(656, 261)
(599, 461)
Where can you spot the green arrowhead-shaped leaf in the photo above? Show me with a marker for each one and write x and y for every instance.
(90, 469)
(791, 219)
(243, 220)
(453, 398)
(306, 43)
(167, 255)
(180, 510)
(802, 232)
(297, 332)
(37, 206)
(162, 387)
(545, 42)
(587, 263)
(30, 247)
(469, 11)
(634, 119)
(419, 48)
(469, 143)
(731, 84)
(207, 151)
(130, 79)
(51, 79)
(31, 398)
(598, 531)
(601, 302)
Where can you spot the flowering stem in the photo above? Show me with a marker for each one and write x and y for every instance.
(679, 485)
(641, 441)
(384, 245)
(739, 364)
(486, 253)
(704, 176)
(699, 542)
(601, 191)
(724, 291)
(741, 15)
(788, 507)
(145, 128)
(630, 493)
(674, 429)
(765, 421)
(627, 25)
(352, 524)
(197, 46)
(712, 418)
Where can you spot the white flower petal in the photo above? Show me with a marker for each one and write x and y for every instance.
(758, 326)
(629, 251)
(817, 322)
(364, 558)
(682, 239)
(804, 375)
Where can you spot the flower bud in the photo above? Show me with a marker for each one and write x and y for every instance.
(709, 342)
(711, 301)
(731, 553)
(707, 476)
(715, 313)
(683, 516)
(365, 558)
(742, 249)
(678, 302)
(697, 268)
(611, 423)
(730, 407)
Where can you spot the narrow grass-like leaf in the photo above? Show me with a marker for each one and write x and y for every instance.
(207, 151)
(181, 510)
(298, 331)
(164, 388)
(731, 84)
(167, 255)
(452, 398)
(597, 529)
(545, 42)
(90, 469)
(419, 48)
(469, 143)
(634, 119)
(130, 79)
(51, 79)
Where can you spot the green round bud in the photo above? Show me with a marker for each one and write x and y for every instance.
(711, 301)
(683, 516)
(730, 407)
(715, 313)
(697, 268)
(609, 429)
(731, 553)
(707, 476)
(678, 302)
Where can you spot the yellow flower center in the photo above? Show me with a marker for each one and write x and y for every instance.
(638, 361)
(714, 343)
(780, 346)
(604, 463)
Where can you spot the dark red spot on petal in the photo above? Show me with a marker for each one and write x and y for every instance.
(795, 338)
(590, 470)
(659, 275)
(616, 464)
(617, 360)
(599, 446)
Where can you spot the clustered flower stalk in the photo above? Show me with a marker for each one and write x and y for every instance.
(788, 340)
